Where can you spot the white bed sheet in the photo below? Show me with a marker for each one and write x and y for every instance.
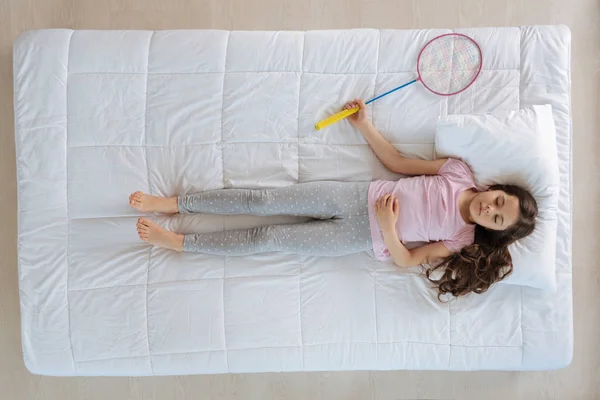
(100, 114)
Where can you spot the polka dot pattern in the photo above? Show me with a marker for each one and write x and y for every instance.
(339, 210)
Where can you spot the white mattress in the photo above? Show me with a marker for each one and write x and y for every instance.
(100, 114)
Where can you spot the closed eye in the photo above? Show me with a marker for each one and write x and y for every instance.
(499, 201)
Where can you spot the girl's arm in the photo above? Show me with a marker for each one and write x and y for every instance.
(387, 212)
(403, 257)
(389, 156)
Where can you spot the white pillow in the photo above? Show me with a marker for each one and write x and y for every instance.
(518, 148)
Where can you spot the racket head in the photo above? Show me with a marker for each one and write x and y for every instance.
(448, 64)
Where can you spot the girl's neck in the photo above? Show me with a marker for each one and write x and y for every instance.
(464, 203)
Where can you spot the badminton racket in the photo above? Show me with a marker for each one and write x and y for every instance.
(447, 65)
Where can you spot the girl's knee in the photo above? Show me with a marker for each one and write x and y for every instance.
(262, 236)
(260, 200)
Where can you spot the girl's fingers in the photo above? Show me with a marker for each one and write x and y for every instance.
(385, 201)
(356, 103)
(351, 104)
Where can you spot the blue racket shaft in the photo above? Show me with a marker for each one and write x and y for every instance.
(391, 91)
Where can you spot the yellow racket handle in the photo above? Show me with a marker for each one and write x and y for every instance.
(336, 117)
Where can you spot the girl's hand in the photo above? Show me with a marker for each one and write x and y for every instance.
(359, 118)
(387, 211)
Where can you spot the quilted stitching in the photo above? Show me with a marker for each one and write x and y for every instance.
(277, 312)
(150, 187)
(74, 366)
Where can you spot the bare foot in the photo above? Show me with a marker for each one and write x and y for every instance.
(151, 233)
(146, 203)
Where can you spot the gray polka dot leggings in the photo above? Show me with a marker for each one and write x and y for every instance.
(339, 210)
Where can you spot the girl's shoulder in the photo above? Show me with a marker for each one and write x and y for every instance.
(463, 237)
(454, 167)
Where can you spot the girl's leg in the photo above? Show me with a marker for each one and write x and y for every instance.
(333, 237)
(315, 199)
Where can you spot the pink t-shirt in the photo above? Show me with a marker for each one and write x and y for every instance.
(428, 208)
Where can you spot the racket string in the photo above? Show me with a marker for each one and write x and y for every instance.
(449, 64)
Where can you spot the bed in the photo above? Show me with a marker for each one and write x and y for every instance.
(100, 114)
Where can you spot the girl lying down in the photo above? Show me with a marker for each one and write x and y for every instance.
(469, 230)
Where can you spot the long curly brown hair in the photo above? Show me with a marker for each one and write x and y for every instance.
(487, 261)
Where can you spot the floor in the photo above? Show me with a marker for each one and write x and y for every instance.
(579, 381)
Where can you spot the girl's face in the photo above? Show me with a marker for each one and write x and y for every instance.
(495, 210)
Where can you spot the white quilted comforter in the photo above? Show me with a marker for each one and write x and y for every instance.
(100, 114)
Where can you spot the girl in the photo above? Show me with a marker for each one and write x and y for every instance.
(469, 230)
